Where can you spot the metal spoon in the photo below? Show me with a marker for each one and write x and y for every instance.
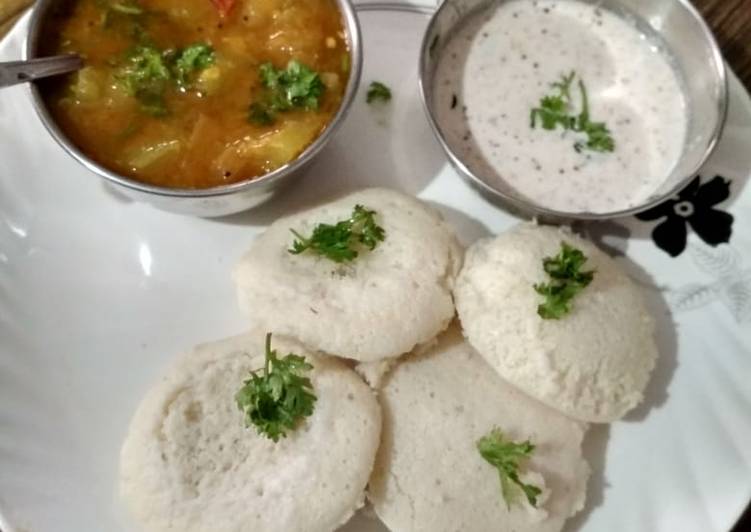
(14, 72)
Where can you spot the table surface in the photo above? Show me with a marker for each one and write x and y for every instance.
(730, 20)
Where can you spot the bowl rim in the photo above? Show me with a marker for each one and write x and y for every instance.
(527, 206)
(353, 33)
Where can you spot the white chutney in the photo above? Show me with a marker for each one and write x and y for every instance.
(502, 61)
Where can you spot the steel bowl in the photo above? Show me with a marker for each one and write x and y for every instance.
(697, 57)
(208, 202)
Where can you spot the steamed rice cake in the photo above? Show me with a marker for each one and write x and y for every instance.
(189, 463)
(592, 364)
(378, 306)
(429, 475)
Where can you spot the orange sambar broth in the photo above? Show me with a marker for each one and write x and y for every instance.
(206, 139)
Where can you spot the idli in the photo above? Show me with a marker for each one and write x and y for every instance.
(595, 361)
(190, 464)
(429, 474)
(379, 305)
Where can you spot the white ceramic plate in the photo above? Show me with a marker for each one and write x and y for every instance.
(96, 295)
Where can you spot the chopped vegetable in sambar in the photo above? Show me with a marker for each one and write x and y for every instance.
(198, 93)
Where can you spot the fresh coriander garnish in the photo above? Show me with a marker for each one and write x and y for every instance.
(598, 134)
(507, 457)
(279, 397)
(567, 280)
(342, 241)
(556, 110)
(261, 113)
(195, 57)
(378, 92)
(127, 15)
(148, 72)
(296, 87)
(146, 76)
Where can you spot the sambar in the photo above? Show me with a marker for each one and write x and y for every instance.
(194, 93)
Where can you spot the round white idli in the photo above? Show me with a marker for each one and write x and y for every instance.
(594, 363)
(378, 306)
(190, 464)
(429, 475)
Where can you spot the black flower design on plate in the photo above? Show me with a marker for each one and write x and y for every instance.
(694, 206)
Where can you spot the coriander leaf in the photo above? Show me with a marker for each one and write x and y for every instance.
(567, 280)
(302, 85)
(278, 397)
(341, 242)
(191, 59)
(378, 92)
(507, 457)
(555, 110)
(598, 138)
(269, 75)
(598, 135)
(195, 57)
(296, 87)
(363, 225)
(330, 241)
(145, 76)
(261, 114)
(153, 104)
(126, 15)
(147, 72)
(564, 85)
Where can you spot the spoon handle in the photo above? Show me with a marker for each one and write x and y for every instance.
(14, 72)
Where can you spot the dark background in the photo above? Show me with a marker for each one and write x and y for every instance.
(744, 525)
